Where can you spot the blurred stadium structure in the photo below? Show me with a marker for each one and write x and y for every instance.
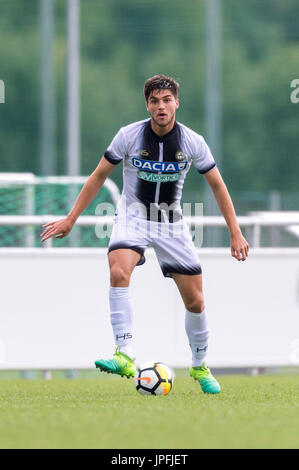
(89, 60)
(233, 90)
(51, 197)
(61, 304)
(23, 194)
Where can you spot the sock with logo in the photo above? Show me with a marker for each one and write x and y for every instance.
(121, 317)
(196, 326)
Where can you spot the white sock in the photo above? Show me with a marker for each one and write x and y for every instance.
(121, 317)
(197, 331)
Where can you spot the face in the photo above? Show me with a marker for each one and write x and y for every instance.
(162, 106)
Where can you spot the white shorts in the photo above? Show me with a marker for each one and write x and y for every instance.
(172, 243)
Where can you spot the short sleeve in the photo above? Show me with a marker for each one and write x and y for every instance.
(202, 157)
(117, 149)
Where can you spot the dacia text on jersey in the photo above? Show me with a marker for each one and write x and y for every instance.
(171, 170)
(154, 166)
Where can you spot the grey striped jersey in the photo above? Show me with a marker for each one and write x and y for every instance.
(154, 168)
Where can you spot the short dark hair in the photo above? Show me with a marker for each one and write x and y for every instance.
(160, 82)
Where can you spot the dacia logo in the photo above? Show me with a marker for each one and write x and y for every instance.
(154, 166)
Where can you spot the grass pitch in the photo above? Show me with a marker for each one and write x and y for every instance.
(107, 412)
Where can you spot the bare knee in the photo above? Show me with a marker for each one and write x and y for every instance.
(119, 277)
(195, 304)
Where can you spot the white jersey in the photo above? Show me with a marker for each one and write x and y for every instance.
(154, 167)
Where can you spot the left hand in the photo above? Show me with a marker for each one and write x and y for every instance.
(239, 247)
(61, 228)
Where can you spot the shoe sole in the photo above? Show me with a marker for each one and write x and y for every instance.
(104, 369)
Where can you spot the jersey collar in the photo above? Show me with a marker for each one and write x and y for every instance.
(164, 137)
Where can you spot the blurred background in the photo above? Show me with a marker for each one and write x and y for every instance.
(71, 74)
(74, 72)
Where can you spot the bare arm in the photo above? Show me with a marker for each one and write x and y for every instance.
(239, 246)
(62, 227)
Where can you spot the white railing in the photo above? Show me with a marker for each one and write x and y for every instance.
(29, 182)
(254, 221)
(286, 220)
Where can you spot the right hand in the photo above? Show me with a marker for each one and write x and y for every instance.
(61, 229)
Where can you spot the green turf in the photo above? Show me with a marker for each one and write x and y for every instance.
(107, 412)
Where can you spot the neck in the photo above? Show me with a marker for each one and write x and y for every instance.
(161, 131)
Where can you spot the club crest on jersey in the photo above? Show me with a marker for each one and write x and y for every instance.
(155, 166)
(144, 153)
(180, 156)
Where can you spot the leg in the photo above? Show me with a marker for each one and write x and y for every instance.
(196, 325)
(178, 259)
(190, 288)
(122, 263)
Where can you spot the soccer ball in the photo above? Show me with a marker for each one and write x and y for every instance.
(153, 378)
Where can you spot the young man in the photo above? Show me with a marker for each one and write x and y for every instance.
(156, 154)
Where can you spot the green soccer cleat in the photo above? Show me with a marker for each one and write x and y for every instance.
(120, 364)
(207, 382)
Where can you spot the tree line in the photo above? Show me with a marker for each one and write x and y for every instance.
(123, 43)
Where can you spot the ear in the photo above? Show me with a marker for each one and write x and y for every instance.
(177, 103)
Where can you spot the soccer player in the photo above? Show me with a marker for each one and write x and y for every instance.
(156, 153)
